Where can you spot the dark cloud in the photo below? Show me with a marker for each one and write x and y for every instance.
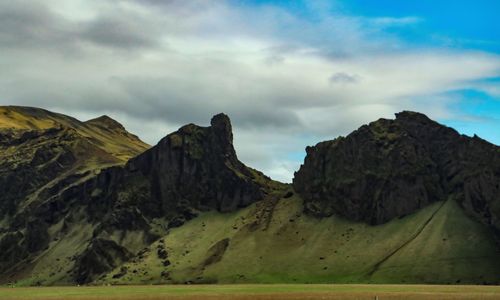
(182, 101)
(341, 77)
(274, 59)
(26, 24)
(118, 33)
(33, 24)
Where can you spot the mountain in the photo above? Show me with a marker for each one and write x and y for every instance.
(391, 168)
(103, 132)
(41, 150)
(405, 200)
(189, 171)
(84, 211)
(44, 154)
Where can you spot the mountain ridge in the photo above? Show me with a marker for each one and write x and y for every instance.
(186, 210)
(391, 168)
(126, 206)
(119, 143)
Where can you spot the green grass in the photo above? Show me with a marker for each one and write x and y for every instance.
(290, 247)
(296, 291)
(117, 142)
(51, 267)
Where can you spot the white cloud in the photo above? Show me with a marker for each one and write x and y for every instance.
(391, 22)
(269, 70)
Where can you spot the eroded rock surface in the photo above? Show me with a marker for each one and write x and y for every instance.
(391, 168)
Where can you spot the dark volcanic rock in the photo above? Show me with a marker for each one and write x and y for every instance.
(197, 167)
(40, 156)
(101, 256)
(11, 250)
(193, 169)
(391, 168)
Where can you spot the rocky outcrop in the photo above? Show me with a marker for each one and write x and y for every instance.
(100, 256)
(391, 168)
(197, 167)
(31, 159)
(191, 170)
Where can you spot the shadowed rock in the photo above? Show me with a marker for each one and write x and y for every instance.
(100, 256)
(190, 170)
(196, 167)
(391, 168)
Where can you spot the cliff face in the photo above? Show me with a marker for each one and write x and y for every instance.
(197, 167)
(191, 170)
(391, 168)
(69, 185)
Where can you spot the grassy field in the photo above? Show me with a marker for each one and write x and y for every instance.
(277, 291)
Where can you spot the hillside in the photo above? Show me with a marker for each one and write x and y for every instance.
(103, 132)
(438, 244)
(77, 226)
(396, 201)
(43, 155)
(41, 150)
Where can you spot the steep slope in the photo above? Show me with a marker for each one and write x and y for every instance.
(391, 168)
(404, 200)
(43, 154)
(98, 223)
(278, 243)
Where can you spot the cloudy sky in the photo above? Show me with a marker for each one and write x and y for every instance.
(289, 73)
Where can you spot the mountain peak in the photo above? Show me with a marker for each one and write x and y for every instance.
(223, 134)
(392, 168)
(412, 116)
(106, 121)
(220, 119)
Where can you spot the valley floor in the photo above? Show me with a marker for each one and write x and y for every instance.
(255, 291)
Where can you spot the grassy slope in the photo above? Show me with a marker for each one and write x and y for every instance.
(116, 142)
(442, 245)
(451, 247)
(52, 265)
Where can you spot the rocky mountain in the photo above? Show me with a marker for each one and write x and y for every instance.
(82, 201)
(392, 168)
(40, 150)
(404, 200)
(42, 155)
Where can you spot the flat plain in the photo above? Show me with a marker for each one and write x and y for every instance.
(255, 291)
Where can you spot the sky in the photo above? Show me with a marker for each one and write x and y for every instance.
(288, 73)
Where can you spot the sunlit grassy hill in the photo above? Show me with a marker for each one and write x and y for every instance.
(103, 132)
(274, 242)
